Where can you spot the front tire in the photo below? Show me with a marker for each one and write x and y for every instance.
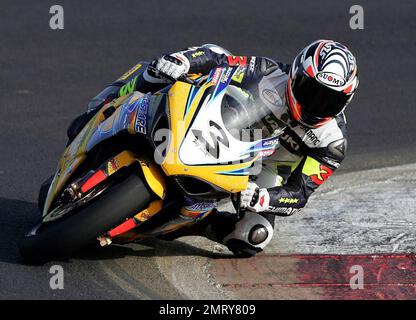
(43, 192)
(60, 238)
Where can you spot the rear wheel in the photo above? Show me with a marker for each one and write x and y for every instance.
(58, 239)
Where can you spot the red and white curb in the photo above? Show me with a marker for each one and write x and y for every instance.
(357, 222)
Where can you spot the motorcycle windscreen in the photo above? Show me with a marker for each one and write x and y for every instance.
(246, 118)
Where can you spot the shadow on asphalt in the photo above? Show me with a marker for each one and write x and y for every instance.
(17, 216)
(146, 248)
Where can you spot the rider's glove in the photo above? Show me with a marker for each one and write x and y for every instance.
(254, 198)
(174, 65)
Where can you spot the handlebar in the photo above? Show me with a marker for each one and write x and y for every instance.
(183, 78)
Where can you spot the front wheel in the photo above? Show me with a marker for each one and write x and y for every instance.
(59, 239)
(43, 192)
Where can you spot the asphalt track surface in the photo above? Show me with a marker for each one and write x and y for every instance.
(48, 76)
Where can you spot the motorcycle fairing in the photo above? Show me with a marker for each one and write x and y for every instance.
(98, 129)
(185, 156)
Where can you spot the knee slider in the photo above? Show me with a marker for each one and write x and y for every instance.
(250, 235)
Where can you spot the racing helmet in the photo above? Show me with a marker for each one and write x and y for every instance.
(322, 81)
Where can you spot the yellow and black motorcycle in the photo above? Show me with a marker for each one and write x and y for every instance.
(124, 176)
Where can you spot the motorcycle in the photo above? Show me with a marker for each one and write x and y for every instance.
(125, 174)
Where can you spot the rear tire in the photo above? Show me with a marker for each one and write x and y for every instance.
(60, 238)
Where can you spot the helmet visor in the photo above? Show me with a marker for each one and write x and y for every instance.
(317, 100)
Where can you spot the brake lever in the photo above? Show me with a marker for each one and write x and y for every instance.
(186, 79)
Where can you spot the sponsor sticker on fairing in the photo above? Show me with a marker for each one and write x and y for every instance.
(271, 142)
(141, 119)
(267, 153)
(216, 76)
(227, 74)
(130, 72)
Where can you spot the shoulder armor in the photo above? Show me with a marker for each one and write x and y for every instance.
(338, 148)
(267, 66)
